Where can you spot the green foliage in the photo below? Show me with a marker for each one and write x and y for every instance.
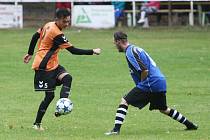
(99, 82)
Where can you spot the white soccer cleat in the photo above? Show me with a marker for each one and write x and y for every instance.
(38, 127)
(112, 132)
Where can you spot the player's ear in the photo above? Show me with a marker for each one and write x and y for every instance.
(118, 41)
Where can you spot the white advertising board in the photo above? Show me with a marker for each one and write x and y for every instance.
(93, 16)
(11, 16)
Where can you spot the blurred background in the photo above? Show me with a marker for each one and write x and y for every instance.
(106, 13)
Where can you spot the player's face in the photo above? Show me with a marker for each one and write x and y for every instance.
(64, 22)
(118, 45)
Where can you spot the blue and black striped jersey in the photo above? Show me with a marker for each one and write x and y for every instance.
(139, 60)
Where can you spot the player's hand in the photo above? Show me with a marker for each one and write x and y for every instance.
(27, 58)
(97, 51)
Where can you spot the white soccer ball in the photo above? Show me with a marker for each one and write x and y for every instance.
(64, 106)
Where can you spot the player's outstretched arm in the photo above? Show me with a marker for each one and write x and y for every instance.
(79, 51)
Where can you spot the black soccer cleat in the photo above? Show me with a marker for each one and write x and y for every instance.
(57, 114)
(192, 127)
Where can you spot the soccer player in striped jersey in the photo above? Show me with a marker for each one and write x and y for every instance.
(150, 85)
(48, 72)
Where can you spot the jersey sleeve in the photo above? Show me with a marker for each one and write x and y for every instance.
(33, 42)
(78, 51)
(61, 41)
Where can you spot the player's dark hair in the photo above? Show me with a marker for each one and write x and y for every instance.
(119, 35)
(62, 13)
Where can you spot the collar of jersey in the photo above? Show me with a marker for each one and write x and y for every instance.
(128, 47)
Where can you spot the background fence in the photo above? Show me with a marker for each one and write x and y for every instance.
(172, 12)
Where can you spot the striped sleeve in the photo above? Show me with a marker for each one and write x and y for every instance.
(135, 59)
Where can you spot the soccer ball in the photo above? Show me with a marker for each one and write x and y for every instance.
(64, 106)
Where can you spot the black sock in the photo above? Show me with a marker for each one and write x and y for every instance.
(65, 90)
(120, 116)
(43, 106)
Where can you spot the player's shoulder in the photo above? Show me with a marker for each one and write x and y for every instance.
(134, 49)
(53, 28)
(137, 49)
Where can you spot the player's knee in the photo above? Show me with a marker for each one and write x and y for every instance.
(165, 111)
(123, 101)
(66, 80)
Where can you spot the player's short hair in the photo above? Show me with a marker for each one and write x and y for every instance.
(119, 35)
(62, 13)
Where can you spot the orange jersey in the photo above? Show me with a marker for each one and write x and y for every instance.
(50, 42)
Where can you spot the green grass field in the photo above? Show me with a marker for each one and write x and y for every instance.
(99, 82)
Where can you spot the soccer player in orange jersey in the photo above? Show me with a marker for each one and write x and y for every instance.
(48, 72)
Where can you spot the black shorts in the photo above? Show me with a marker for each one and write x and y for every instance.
(47, 80)
(140, 99)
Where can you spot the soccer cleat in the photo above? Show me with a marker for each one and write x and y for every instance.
(57, 114)
(192, 127)
(38, 126)
(112, 132)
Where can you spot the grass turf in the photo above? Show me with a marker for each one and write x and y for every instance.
(100, 81)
